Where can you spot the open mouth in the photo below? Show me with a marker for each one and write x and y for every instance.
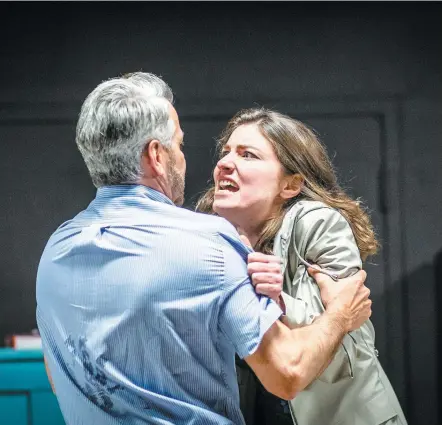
(227, 185)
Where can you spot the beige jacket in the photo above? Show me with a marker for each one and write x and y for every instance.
(354, 389)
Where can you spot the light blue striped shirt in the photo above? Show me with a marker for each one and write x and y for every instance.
(141, 306)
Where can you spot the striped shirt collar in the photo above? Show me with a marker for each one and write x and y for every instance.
(132, 190)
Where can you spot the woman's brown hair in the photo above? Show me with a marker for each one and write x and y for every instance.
(299, 152)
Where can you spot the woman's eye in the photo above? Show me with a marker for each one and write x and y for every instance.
(248, 154)
(223, 154)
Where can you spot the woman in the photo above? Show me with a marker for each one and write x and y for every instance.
(276, 184)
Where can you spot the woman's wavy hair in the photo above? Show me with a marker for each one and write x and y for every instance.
(299, 152)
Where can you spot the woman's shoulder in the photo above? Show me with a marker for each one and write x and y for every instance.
(308, 217)
(309, 220)
(307, 211)
(321, 233)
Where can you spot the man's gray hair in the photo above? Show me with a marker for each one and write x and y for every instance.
(118, 118)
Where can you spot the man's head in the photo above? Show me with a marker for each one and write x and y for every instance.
(128, 132)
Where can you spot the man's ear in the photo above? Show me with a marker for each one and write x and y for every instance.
(153, 159)
(292, 186)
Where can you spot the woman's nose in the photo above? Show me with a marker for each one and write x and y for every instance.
(226, 163)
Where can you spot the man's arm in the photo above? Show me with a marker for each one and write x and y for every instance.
(287, 361)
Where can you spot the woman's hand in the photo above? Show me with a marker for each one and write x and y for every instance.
(265, 272)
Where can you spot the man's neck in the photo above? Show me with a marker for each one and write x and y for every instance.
(153, 184)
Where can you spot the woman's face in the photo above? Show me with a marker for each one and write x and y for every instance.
(248, 178)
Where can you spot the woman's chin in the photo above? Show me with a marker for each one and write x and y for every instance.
(224, 208)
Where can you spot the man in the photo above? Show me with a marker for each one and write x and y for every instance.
(142, 305)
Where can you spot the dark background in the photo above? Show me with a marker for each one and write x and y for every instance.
(367, 76)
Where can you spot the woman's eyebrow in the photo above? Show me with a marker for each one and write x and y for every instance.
(243, 146)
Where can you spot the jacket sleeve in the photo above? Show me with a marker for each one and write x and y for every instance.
(323, 237)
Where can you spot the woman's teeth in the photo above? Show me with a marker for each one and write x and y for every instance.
(227, 185)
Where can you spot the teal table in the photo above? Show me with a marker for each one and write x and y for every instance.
(26, 397)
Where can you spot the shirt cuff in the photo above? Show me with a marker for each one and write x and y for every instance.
(268, 317)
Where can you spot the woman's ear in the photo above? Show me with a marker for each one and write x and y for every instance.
(292, 186)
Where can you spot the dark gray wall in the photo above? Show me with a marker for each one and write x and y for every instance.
(373, 68)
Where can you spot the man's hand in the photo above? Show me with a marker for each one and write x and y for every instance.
(265, 271)
(348, 297)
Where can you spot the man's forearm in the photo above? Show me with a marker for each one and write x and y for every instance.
(288, 360)
(314, 347)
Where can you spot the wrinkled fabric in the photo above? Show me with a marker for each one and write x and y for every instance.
(354, 389)
(141, 306)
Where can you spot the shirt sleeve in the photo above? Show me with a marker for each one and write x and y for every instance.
(244, 316)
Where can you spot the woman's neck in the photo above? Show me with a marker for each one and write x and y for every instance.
(252, 223)
(252, 234)
(254, 229)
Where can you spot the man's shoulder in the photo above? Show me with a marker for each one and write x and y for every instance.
(208, 223)
(196, 228)
(225, 233)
